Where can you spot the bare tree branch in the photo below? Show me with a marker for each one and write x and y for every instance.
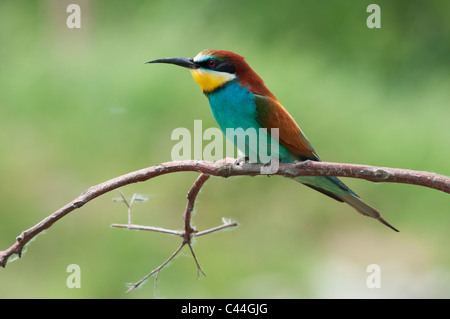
(187, 234)
(227, 168)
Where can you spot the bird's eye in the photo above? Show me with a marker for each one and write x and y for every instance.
(212, 63)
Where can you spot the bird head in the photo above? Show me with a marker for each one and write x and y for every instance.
(213, 69)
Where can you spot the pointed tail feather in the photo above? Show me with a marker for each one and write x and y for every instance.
(364, 209)
(333, 187)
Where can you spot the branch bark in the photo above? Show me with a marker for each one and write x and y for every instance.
(226, 168)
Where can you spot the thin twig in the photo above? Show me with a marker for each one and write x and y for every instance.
(128, 205)
(156, 270)
(214, 229)
(150, 228)
(154, 284)
(134, 198)
(199, 269)
(176, 232)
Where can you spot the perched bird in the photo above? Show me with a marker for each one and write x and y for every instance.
(239, 99)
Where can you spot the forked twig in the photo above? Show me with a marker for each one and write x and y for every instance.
(135, 197)
(187, 234)
(180, 233)
(156, 270)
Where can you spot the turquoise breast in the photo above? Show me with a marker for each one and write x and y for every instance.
(233, 107)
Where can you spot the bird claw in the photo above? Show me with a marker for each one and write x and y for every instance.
(241, 160)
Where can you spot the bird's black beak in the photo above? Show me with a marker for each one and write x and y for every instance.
(184, 62)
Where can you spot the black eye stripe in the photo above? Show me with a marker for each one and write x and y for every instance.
(221, 66)
(226, 66)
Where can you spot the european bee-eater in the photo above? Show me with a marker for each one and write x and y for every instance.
(239, 99)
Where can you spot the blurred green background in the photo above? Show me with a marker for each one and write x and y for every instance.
(79, 106)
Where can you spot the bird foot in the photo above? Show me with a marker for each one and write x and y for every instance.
(242, 160)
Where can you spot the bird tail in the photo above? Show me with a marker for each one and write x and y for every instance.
(334, 188)
(364, 209)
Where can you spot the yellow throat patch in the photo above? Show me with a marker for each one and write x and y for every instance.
(210, 80)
